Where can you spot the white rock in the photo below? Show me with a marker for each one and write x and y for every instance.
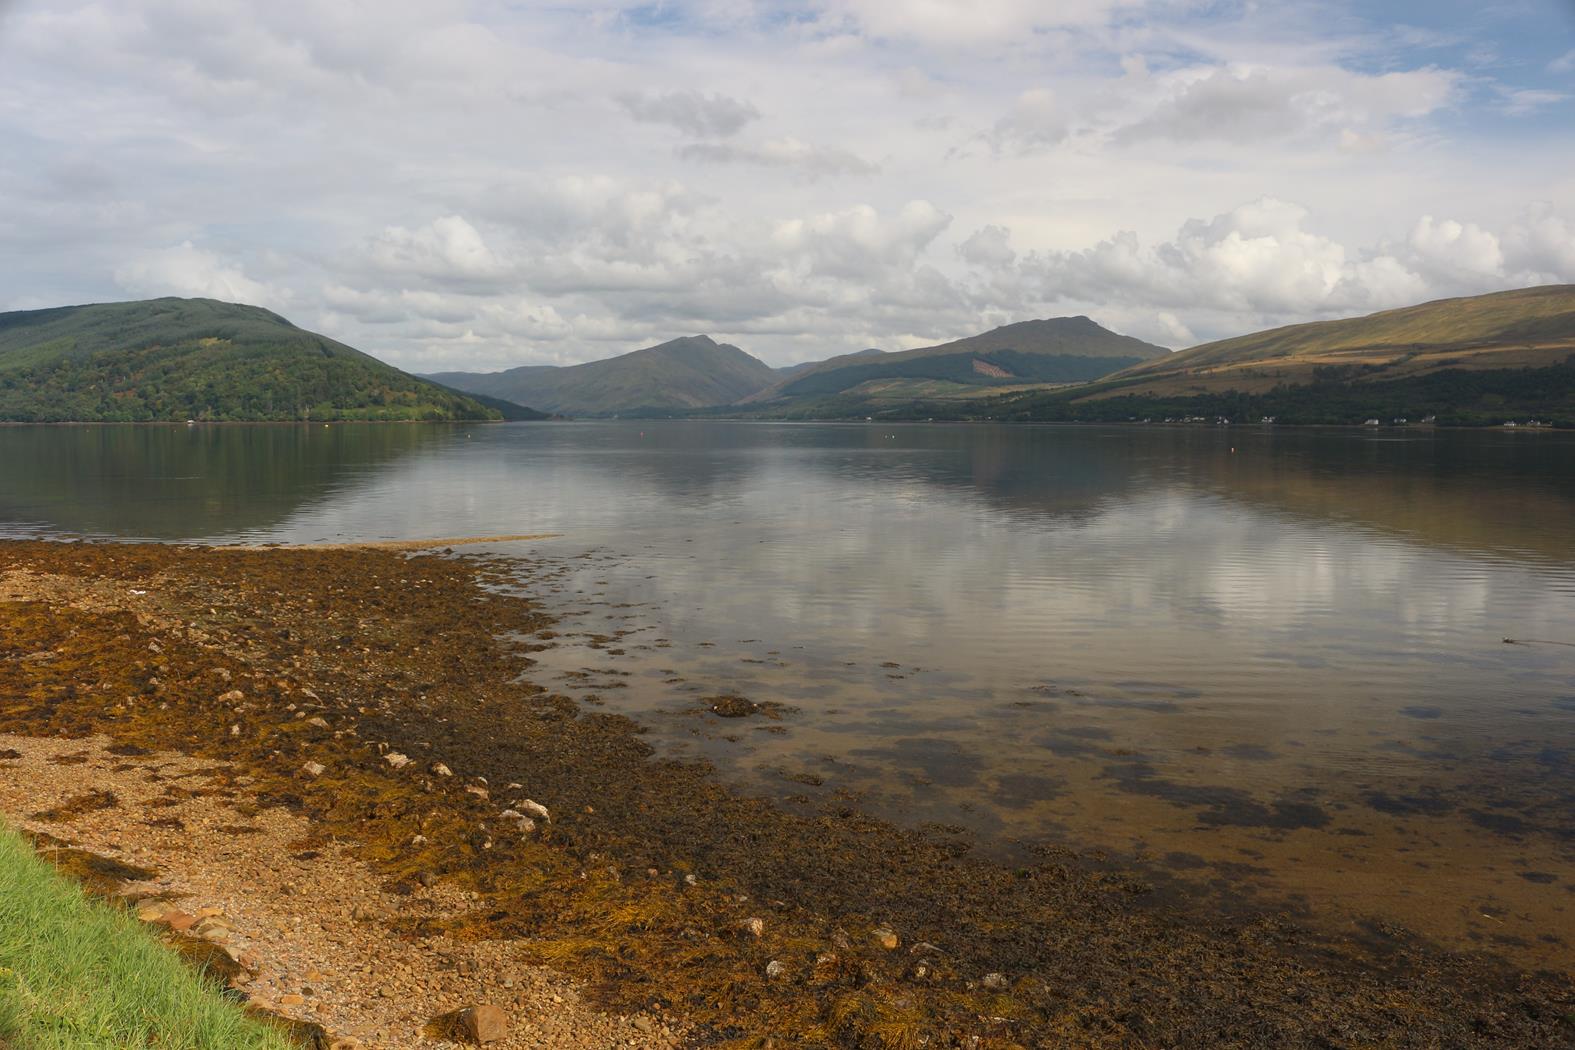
(774, 970)
(440, 770)
(397, 760)
(314, 769)
(535, 809)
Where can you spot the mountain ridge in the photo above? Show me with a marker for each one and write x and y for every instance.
(1036, 352)
(689, 372)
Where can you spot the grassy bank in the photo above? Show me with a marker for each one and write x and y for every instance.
(76, 973)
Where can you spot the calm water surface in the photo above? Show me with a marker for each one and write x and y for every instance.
(1267, 662)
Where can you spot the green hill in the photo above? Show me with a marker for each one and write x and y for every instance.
(1527, 327)
(1031, 353)
(1483, 360)
(176, 359)
(672, 378)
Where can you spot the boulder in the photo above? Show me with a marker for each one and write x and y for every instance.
(533, 808)
(479, 1024)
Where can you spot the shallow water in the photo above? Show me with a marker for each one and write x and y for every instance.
(1269, 662)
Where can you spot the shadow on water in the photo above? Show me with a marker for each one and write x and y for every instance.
(180, 483)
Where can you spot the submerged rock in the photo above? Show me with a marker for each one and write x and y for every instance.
(730, 706)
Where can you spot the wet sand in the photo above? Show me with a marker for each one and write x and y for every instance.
(651, 882)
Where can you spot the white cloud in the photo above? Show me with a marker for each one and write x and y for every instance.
(857, 241)
(953, 23)
(1036, 120)
(813, 161)
(703, 116)
(186, 270)
(1250, 104)
(1450, 251)
(1260, 263)
(446, 250)
(988, 247)
(1541, 244)
(1520, 101)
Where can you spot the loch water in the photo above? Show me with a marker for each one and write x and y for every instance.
(1330, 670)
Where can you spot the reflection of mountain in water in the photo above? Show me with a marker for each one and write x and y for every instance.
(186, 482)
(1508, 494)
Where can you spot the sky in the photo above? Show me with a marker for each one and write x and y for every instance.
(477, 185)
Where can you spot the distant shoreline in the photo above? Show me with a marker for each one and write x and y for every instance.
(829, 421)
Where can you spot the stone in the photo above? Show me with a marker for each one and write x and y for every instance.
(521, 821)
(482, 1023)
(535, 809)
(319, 722)
(397, 760)
(234, 696)
(774, 969)
(996, 982)
(753, 926)
(178, 920)
(153, 910)
(314, 769)
(440, 770)
(644, 1024)
(479, 792)
(291, 999)
(884, 937)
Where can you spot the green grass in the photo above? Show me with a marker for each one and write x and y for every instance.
(78, 974)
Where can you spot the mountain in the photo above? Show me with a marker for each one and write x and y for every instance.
(672, 378)
(805, 366)
(1027, 354)
(176, 359)
(1526, 327)
(1487, 359)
